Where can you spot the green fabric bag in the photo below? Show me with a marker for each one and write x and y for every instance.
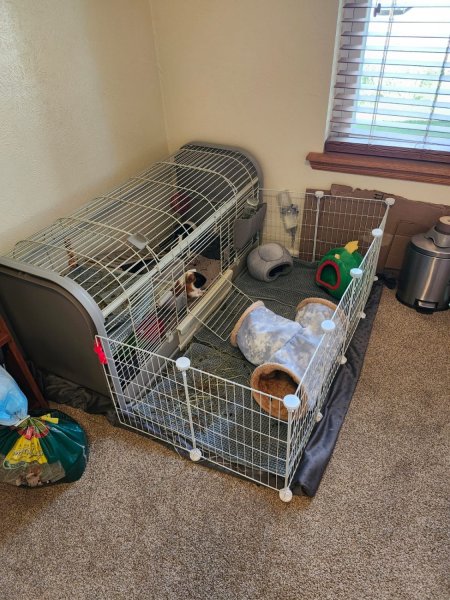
(46, 447)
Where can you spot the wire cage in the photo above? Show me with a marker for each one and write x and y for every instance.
(125, 247)
(117, 266)
(200, 399)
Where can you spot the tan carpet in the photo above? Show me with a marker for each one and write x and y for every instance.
(144, 523)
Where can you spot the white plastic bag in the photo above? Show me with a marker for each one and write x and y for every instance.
(13, 403)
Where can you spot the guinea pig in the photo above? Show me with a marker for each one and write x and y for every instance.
(193, 281)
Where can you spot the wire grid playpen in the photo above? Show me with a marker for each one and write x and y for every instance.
(212, 412)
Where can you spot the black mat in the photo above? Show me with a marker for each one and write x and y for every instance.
(320, 446)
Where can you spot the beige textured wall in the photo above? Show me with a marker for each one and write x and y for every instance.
(80, 105)
(80, 96)
(256, 73)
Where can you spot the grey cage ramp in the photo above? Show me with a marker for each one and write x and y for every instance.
(114, 266)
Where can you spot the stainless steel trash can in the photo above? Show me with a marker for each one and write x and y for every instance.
(424, 281)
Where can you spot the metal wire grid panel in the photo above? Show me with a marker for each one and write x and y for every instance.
(158, 206)
(310, 224)
(222, 320)
(214, 418)
(330, 353)
(355, 297)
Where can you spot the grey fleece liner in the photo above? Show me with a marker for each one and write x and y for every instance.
(282, 296)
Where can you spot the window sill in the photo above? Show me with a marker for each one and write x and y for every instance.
(391, 168)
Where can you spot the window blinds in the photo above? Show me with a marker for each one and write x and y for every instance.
(392, 86)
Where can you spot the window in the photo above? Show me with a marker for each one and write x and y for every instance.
(392, 86)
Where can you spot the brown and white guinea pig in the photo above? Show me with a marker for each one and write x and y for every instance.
(191, 281)
(194, 281)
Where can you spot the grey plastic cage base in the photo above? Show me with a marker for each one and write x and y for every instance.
(242, 151)
(55, 322)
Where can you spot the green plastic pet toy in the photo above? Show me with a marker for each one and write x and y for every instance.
(333, 272)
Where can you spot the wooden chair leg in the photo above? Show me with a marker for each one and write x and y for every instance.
(21, 372)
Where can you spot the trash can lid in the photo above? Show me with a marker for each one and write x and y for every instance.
(425, 243)
(443, 225)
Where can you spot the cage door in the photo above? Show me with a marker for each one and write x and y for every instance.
(218, 310)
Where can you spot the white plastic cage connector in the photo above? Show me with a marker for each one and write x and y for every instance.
(319, 194)
(390, 201)
(183, 363)
(377, 233)
(291, 402)
(328, 326)
(285, 495)
(195, 454)
(356, 273)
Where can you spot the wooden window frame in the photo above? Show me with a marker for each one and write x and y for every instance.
(426, 171)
